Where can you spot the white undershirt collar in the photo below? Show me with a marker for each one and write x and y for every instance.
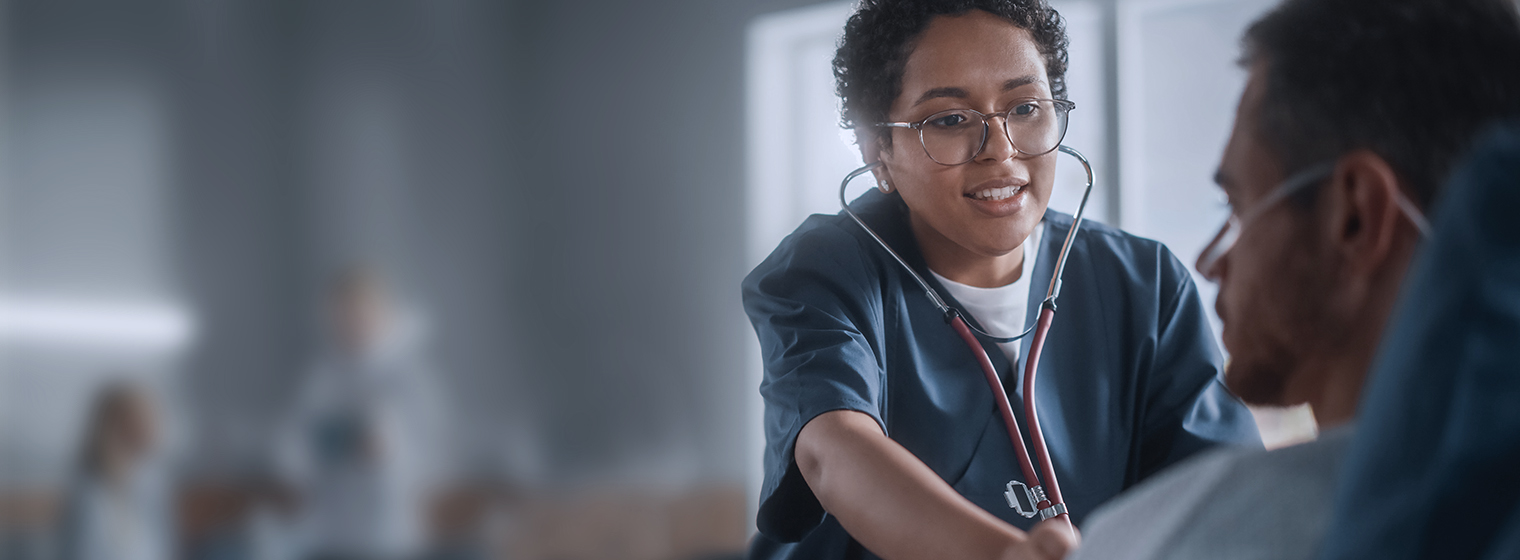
(1001, 311)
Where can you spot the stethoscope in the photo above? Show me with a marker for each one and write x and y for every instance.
(1027, 499)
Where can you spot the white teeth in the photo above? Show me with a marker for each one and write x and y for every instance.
(996, 194)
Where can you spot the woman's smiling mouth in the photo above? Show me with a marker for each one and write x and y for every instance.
(994, 194)
(999, 199)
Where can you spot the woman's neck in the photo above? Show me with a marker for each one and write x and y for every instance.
(950, 260)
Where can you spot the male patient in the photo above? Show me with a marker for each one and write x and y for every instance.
(1353, 114)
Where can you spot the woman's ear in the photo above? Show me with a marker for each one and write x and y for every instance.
(870, 144)
(871, 151)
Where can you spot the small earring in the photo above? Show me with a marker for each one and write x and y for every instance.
(881, 184)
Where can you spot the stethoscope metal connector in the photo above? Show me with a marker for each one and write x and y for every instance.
(1021, 499)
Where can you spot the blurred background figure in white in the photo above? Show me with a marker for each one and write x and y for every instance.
(361, 444)
(119, 505)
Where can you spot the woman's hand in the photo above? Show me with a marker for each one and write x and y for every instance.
(1052, 539)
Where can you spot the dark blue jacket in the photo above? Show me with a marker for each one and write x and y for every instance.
(1434, 471)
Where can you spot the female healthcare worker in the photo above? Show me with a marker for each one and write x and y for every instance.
(881, 433)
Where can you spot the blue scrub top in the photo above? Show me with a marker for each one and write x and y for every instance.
(1129, 377)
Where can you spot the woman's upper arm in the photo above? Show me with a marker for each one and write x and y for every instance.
(816, 312)
(828, 435)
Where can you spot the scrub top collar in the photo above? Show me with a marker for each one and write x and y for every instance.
(888, 215)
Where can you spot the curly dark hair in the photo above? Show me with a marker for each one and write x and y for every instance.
(1414, 81)
(878, 39)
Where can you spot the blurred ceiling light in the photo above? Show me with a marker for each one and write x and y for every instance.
(131, 325)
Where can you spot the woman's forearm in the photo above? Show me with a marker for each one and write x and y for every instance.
(896, 505)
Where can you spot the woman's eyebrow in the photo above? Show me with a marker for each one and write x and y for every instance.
(942, 92)
(960, 93)
(1019, 82)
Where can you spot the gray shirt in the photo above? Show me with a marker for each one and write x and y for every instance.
(1227, 503)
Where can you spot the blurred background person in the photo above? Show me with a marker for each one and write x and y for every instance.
(119, 504)
(362, 443)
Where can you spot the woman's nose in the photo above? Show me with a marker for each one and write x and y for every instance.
(998, 146)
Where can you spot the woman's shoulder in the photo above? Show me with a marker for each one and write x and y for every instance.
(822, 270)
(824, 243)
(1117, 252)
(1104, 238)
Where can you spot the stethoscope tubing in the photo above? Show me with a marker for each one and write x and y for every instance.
(1047, 496)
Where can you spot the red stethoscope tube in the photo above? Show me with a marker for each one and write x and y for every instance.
(1047, 471)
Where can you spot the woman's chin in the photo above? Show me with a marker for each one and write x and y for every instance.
(998, 248)
(1004, 240)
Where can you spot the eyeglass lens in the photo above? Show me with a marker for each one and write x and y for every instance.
(954, 137)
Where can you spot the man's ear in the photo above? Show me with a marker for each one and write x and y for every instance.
(1365, 222)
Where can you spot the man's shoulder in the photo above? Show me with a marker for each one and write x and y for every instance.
(1141, 521)
(1240, 502)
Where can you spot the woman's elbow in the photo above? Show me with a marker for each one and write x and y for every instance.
(827, 439)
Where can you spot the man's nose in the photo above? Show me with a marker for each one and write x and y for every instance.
(1211, 266)
(1211, 271)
